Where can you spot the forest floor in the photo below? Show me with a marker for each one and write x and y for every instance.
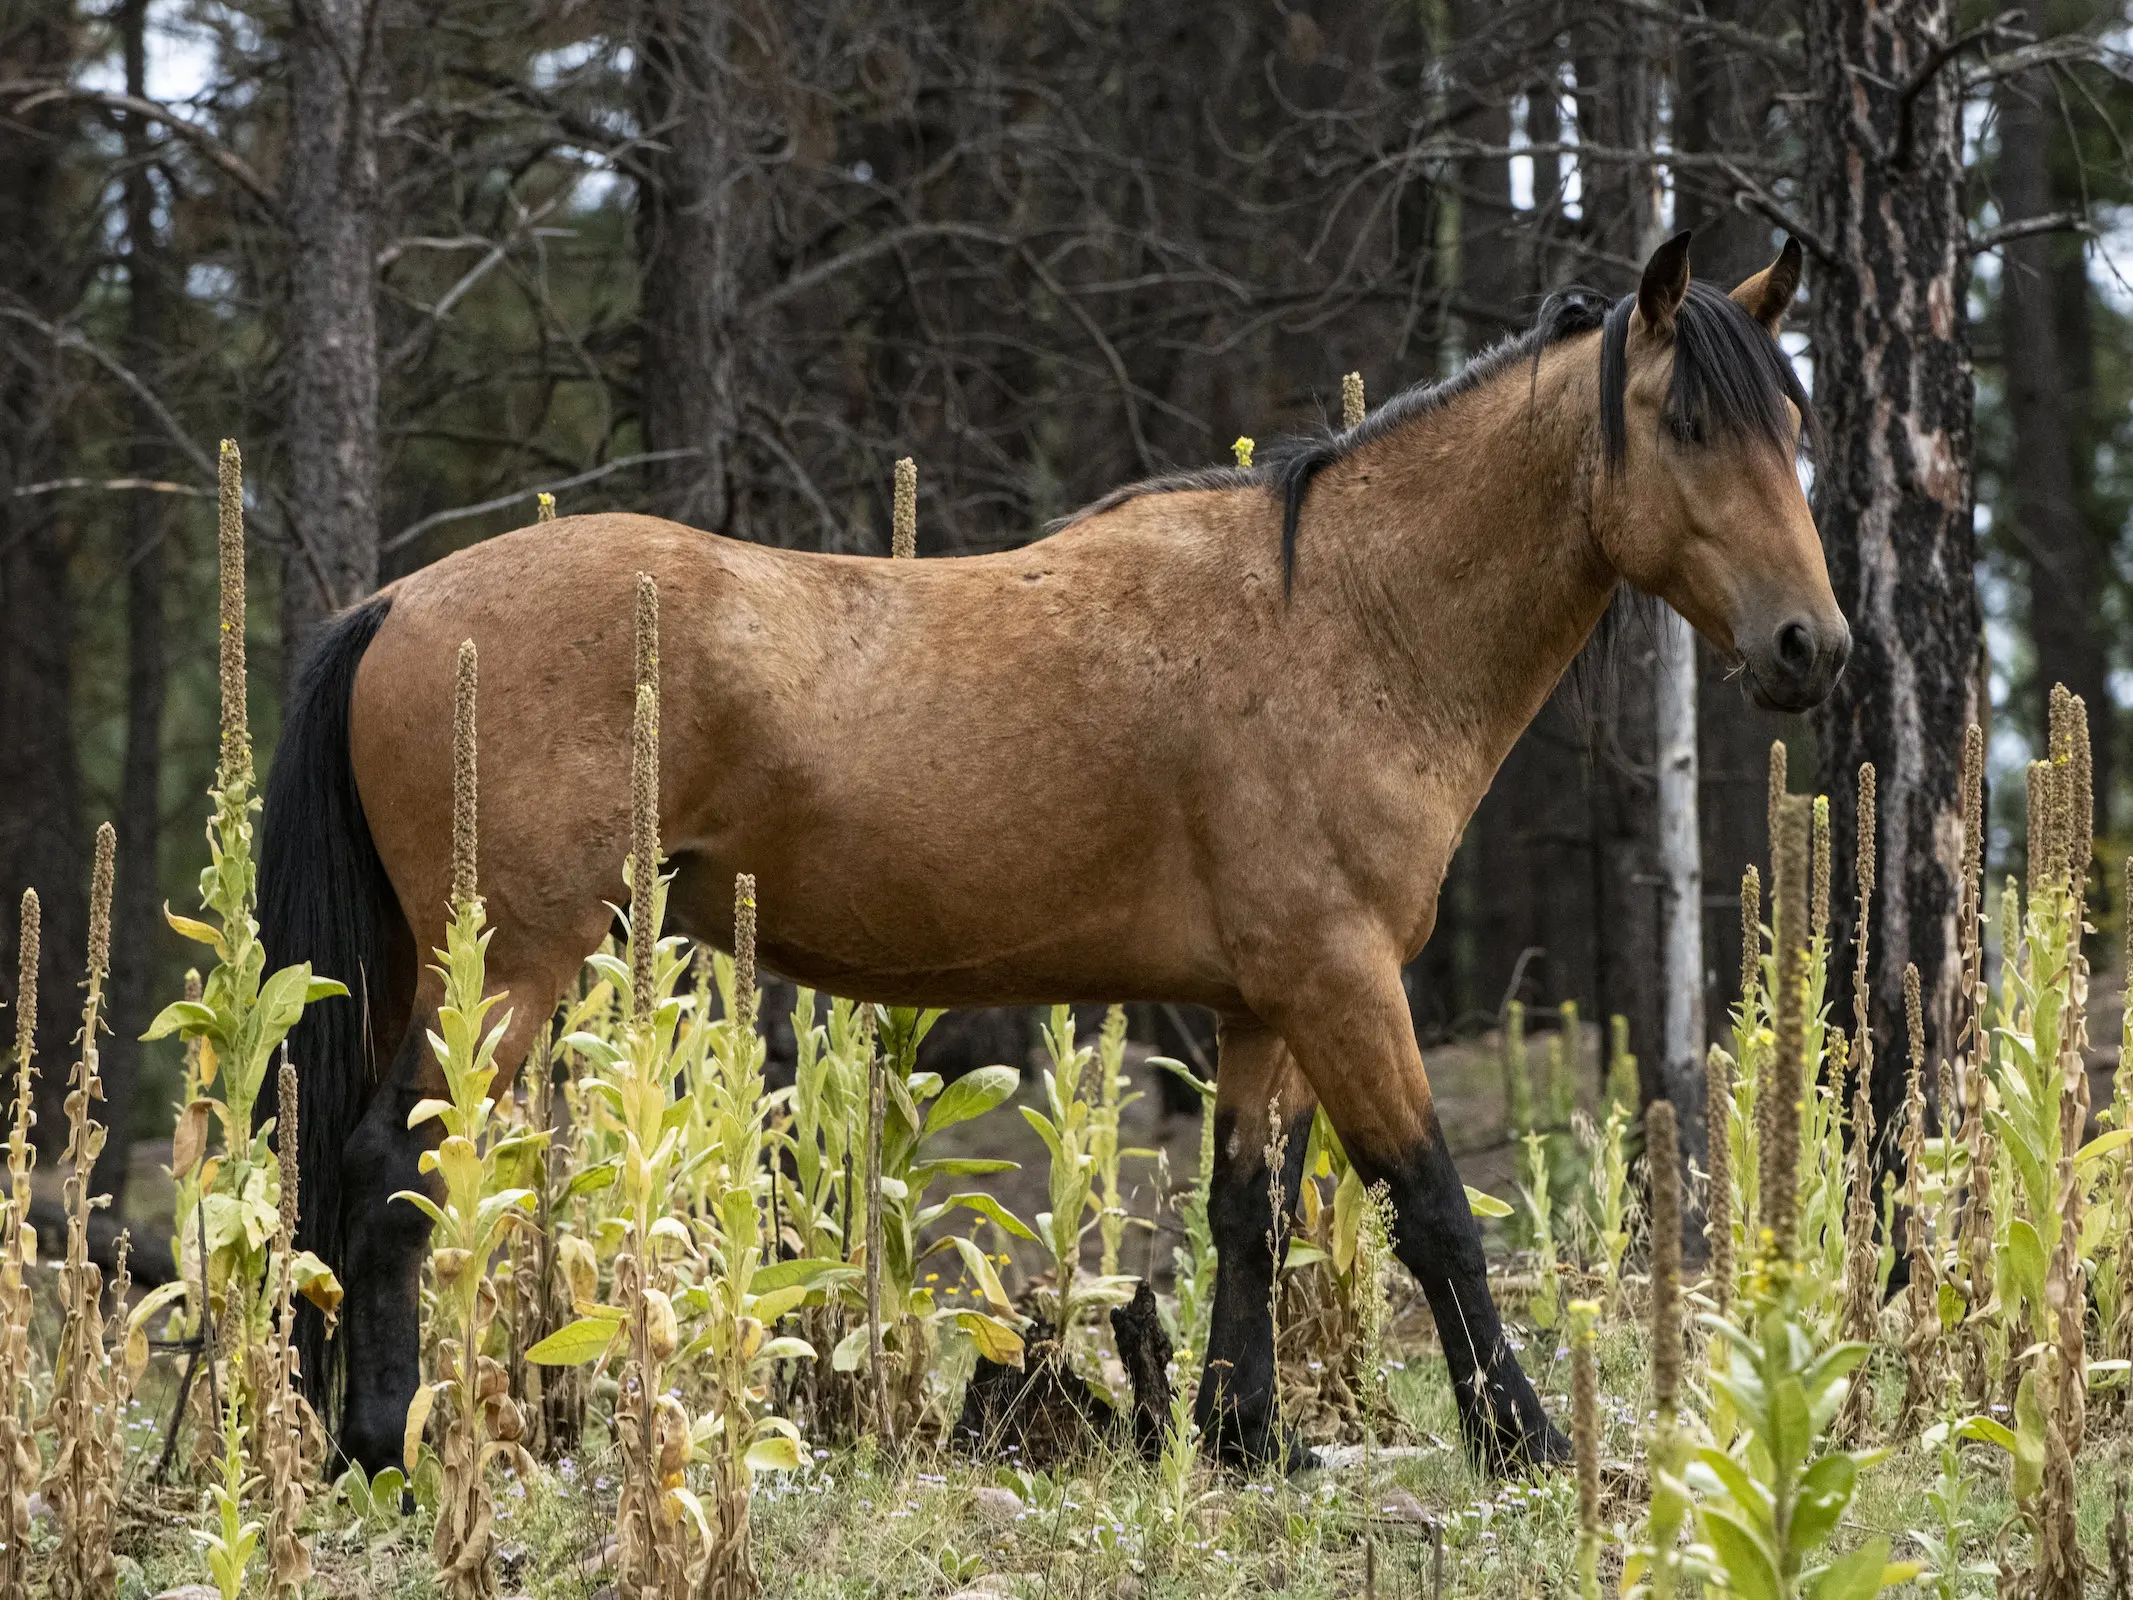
(931, 1522)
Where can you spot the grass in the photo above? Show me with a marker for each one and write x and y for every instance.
(855, 1523)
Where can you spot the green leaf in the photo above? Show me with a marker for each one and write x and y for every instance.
(1825, 1490)
(995, 1340)
(972, 1096)
(774, 1454)
(1750, 1571)
(199, 932)
(850, 1351)
(1858, 1576)
(2029, 1439)
(2103, 1144)
(324, 989)
(1485, 1205)
(990, 1209)
(573, 1345)
(180, 1014)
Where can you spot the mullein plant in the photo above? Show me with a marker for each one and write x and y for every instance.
(478, 1422)
(88, 1393)
(19, 1462)
(916, 1106)
(1560, 1073)
(1767, 1505)
(1922, 1300)
(1544, 1309)
(1517, 1073)
(240, 1018)
(1066, 1124)
(1656, 1563)
(651, 1428)
(286, 1430)
(1862, 1298)
(740, 1304)
(1585, 1443)
(1104, 1147)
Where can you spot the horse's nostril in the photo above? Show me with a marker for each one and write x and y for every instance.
(1795, 647)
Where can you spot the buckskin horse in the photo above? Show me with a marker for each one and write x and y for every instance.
(1211, 742)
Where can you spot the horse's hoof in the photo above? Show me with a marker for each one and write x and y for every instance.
(1518, 1454)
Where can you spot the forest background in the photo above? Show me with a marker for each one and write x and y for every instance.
(726, 260)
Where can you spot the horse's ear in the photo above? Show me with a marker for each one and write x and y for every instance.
(1666, 281)
(1767, 296)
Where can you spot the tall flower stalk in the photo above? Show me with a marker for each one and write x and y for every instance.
(479, 1421)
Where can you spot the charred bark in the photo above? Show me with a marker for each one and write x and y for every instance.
(43, 844)
(330, 321)
(2045, 402)
(136, 926)
(1893, 491)
(694, 219)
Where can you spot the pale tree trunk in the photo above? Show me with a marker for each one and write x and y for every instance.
(1725, 95)
(2044, 397)
(42, 841)
(330, 332)
(137, 928)
(1893, 490)
(693, 226)
(1619, 69)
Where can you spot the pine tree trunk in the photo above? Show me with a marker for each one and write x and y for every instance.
(42, 842)
(2044, 402)
(1893, 489)
(336, 83)
(692, 223)
(137, 928)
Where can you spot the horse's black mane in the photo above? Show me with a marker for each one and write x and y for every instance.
(1729, 380)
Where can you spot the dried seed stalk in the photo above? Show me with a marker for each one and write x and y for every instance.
(903, 540)
(1352, 400)
(235, 769)
(1585, 1440)
(1718, 1203)
(81, 1484)
(1819, 874)
(466, 847)
(2060, 1567)
(1861, 1282)
(1779, 1098)
(283, 1422)
(644, 795)
(19, 1463)
(1921, 1344)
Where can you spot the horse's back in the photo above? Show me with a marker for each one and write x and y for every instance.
(969, 777)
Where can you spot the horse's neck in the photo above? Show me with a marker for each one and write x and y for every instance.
(1467, 555)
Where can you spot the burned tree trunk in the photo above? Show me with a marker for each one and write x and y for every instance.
(2045, 403)
(330, 327)
(42, 841)
(137, 926)
(693, 218)
(1893, 490)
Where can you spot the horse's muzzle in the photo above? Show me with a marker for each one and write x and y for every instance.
(1799, 663)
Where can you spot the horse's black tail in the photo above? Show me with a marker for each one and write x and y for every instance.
(324, 898)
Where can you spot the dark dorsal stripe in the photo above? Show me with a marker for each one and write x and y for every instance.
(1730, 380)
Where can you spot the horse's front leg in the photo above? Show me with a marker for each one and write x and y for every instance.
(1235, 1405)
(1353, 1036)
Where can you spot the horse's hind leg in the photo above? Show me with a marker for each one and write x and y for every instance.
(1235, 1405)
(1356, 1043)
(381, 1319)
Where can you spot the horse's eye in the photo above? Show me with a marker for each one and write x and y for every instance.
(1686, 430)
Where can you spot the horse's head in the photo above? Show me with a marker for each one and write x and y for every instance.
(1700, 503)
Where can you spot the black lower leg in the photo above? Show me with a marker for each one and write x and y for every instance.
(1235, 1408)
(381, 1313)
(1439, 1241)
